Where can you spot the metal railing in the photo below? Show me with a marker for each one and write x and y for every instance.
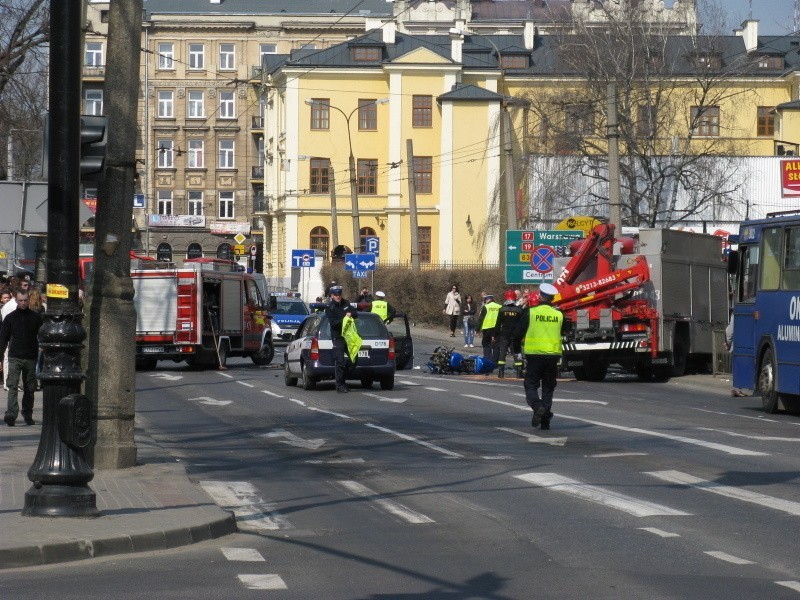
(257, 172)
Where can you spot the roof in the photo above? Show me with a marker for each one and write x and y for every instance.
(364, 8)
(470, 93)
(793, 105)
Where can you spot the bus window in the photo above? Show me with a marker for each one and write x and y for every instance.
(749, 270)
(771, 262)
(791, 260)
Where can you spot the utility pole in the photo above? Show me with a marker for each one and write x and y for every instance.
(334, 216)
(412, 206)
(614, 196)
(511, 201)
(112, 316)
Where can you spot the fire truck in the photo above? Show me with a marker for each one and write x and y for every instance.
(649, 304)
(202, 312)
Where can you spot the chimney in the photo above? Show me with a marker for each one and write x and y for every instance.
(529, 35)
(456, 44)
(749, 32)
(389, 31)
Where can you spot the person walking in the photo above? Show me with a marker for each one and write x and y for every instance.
(19, 334)
(335, 310)
(507, 318)
(486, 325)
(364, 297)
(468, 310)
(452, 308)
(540, 329)
(382, 308)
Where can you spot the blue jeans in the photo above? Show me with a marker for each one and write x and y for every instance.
(469, 332)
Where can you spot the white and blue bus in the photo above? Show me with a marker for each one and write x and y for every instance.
(766, 309)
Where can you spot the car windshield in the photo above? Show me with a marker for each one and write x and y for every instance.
(284, 307)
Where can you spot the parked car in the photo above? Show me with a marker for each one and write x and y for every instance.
(308, 359)
(288, 311)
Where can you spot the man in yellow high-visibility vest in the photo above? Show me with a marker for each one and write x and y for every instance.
(382, 308)
(540, 329)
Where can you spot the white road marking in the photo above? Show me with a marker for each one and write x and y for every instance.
(485, 399)
(406, 382)
(263, 582)
(719, 412)
(571, 400)
(228, 375)
(498, 457)
(211, 401)
(404, 436)
(792, 585)
(252, 513)
(787, 506)
(244, 383)
(598, 495)
(329, 412)
(385, 398)
(296, 401)
(166, 376)
(390, 506)
(617, 454)
(765, 438)
(294, 440)
(535, 439)
(728, 557)
(336, 461)
(268, 393)
(434, 389)
(242, 554)
(659, 532)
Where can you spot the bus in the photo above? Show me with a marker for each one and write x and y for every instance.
(766, 309)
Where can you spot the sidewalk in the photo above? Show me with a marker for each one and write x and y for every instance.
(153, 506)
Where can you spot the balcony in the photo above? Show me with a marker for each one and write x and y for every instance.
(257, 122)
(256, 72)
(259, 203)
(257, 172)
(96, 72)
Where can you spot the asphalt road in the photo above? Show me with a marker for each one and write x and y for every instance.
(441, 489)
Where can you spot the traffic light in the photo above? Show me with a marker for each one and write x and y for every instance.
(93, 146)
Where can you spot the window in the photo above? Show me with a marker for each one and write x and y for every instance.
(423, 174)
(196, 154)
(367, 115)
(424, 244)
(226, 205)
(164, 202)
(320, 113)
(196, 104)
(227, 56)
(791, 259)
(320, 240)
(367, 173)
(225, 251)
(94, 54)
(197, 56)
(264, 49)
(422, 111)
(227, 105)
(646, 123)
(513, 61)
(165, 104)
(195, 204)
(771, 259)
(93, 102)
(770, 62)
(194, 250)
(319, 182)
(226, 150)
(308, 47)
(164, 252)
(707, 61)
(748, 273)
(165, 154)
(366, 54)
(166, 54)
(578, 119)
(363, 234)
(705, 120)
(765, 121)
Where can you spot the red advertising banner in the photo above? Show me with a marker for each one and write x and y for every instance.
(790, 178)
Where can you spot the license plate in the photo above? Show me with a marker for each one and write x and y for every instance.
(363, 354)
(152, 350)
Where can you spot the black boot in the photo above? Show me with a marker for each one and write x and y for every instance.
(501, 371)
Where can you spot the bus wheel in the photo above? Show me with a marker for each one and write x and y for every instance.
(766, 383)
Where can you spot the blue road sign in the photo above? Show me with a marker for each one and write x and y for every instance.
(359, 262)
(139, 201)
(360, 274)
(303, 258)
(373, 245)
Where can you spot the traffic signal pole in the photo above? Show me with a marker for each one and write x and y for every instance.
(60, 472)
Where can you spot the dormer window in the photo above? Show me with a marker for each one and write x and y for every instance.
(770, 62)
(366, 54)
(707, 61)
(513, 61)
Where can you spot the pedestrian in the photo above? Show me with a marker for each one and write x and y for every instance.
(17, 284)
(5, 296)
(336, 310)
(19, 334)
(486, 325)
(468, 310)
(736, 392)
(540, 329)
(452, 308)
(364, 297)
(37, 300)
(331, 286)
(382, 308)
(507, 318)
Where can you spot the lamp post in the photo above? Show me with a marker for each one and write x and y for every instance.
(352, 164)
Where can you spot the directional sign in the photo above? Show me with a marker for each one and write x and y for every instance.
(303, 258)
(359, 262)
(373, 245)
(530, 254)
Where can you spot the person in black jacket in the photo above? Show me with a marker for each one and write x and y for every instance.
(336, 309)
(19, 333)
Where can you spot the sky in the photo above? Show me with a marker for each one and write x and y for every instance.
(775, 16)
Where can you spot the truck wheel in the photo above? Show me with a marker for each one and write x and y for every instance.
(307, 381)
(146, 364)
(580, 373)
(264, 356)
(679, 355)
(651, 373)
(224, 352)
(288, 378)
(770, 398)
(387, 383)
(596, 371)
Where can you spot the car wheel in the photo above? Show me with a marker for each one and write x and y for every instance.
(387, 383)
(766, 383)
(308, 382)
(366, 382)
(264, 356)
(288, 379)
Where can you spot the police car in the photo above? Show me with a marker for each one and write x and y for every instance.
(288, 311)
(308, 359)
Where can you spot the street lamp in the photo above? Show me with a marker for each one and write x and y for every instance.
(352, 163)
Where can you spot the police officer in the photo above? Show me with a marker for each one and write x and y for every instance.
(507, 318)
(487, 323)
(382, 308)
(541, 327)
(336, 309)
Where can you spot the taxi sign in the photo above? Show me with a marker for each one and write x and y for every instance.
(239, 238)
